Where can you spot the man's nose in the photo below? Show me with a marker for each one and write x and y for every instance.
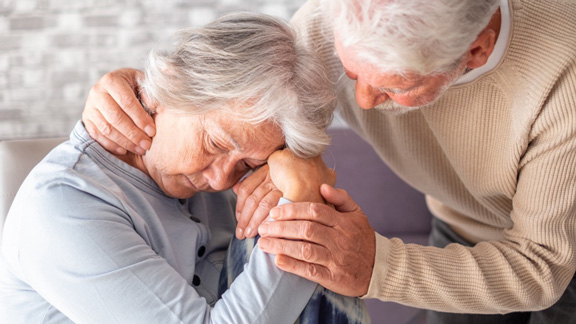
(368, 97)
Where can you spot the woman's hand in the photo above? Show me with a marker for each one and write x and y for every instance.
(113, 115)
(299, 179)
(256, 196)
(285, 175)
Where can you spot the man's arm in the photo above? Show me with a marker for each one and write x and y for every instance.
(527, 269)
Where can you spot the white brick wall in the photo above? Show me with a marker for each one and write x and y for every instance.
(52, 51)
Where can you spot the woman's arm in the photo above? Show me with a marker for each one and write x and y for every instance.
(81, 251)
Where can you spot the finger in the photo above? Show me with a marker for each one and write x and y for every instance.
(315, 212)
(126, 98)
(339, 198)
(252, 202)
(121, 107)
(256, 205)
(260, 214)
(246, 187)
(298, 230)
(311, 271)
(245, 213)
(299, 250)
(107, 134)
(123, 125)
(109, 145)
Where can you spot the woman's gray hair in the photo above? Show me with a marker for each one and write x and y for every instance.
(252, 67)
(420, 36)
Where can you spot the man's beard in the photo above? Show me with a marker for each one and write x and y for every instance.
(392, 107)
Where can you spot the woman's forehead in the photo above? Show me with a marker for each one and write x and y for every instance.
(242, 134)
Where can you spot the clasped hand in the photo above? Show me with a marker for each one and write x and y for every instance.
(285, 175)
(333, 246)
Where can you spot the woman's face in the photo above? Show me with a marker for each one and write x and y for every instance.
(209, 152)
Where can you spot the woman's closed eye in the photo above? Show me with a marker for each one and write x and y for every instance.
(247, 166)
(215, 147)
(253, 166)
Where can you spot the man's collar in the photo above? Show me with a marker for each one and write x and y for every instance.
(499, 48)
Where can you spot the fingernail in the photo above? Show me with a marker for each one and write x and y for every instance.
(120, 151)
(248, 231)
(240, 233)
(139, 151)
(263, 229)
(145, 144)
(280, 261)
(150, 130)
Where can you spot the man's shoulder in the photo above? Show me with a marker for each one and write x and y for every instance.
(308, 8)
(543, 41)
(545, 20)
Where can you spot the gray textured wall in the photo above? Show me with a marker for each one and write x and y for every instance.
(52, 51)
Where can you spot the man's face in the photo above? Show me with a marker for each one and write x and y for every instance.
(392, 92)
(209, 152)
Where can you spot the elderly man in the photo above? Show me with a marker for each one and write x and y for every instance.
(471, 102)
(142, 238)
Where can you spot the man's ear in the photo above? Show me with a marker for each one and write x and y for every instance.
(481, 49)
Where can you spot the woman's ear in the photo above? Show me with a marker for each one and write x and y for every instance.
(481, 49)
(158, 109)
(150, 105)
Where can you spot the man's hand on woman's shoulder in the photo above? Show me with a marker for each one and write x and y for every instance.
(113, 115)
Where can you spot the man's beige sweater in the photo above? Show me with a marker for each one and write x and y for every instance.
(496, 158)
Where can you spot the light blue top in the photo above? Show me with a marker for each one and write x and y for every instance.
(90, 239)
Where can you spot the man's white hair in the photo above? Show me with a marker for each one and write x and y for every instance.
(419, 36)
(251, 67)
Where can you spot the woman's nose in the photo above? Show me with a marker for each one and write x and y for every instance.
(367, 96)
(219, 173)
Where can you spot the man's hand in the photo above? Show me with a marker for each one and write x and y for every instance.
(335, 248)
(256, 196)
(113, 115)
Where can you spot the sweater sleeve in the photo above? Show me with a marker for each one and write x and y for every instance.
(275, 295)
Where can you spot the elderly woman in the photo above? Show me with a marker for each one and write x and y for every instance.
(98, 238)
